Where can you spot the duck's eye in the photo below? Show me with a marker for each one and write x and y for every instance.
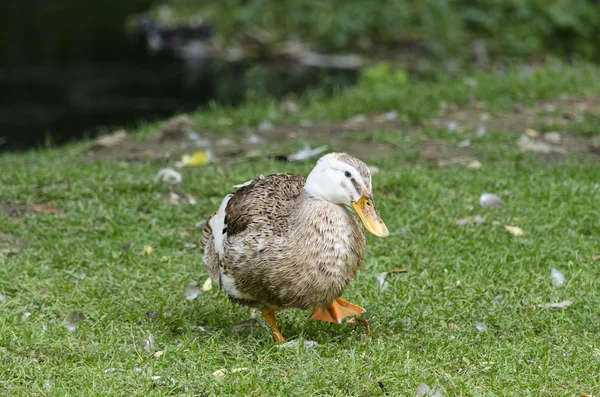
(348, 174)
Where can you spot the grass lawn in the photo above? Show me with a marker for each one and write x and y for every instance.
(464, 319)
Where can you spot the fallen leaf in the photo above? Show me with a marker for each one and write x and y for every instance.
(517, 231)
(191, 291)
(361, 321)
(490, 200)
(531, 132)
(558, 305)
(197, 159)
(148, 250)
(558, 279)
(423, 390)
(452, 325)
(474, 165)
(470, 219)
(158, 353)
(480, 326)
(168, 175)
(306, 153)
(207, 286)
(222, 373)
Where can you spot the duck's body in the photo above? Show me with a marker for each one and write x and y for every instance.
(282, 241)
(291, 251)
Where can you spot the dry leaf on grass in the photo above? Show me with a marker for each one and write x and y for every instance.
(361, 321)
(517, 231)
(558, 279)
(207, 286)
(223, 372)
(158, 353)
(474, 165)
(558, 305)
(148, 250)
(197, 159)
(531, 132)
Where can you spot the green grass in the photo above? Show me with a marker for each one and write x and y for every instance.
(456, 274)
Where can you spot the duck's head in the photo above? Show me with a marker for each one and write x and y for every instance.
(345, 180)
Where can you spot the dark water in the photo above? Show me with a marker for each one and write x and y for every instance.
(68, 70)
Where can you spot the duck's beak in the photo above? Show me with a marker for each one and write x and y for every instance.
(365, 208)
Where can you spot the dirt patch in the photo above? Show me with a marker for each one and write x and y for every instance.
(557, 112)
(19, 210)
(181, 135)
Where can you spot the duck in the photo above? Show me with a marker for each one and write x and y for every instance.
(286, 241)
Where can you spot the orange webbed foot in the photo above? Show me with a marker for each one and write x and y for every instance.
(336, 311)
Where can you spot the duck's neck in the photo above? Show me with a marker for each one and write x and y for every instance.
(317, 217)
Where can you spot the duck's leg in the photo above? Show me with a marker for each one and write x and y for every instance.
(335, 312)
(269, 315)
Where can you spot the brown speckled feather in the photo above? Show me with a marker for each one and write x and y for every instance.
(285, 248)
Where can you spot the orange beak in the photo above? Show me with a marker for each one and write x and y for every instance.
(365, 208)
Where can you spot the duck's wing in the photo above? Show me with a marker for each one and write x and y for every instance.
(266, 202)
